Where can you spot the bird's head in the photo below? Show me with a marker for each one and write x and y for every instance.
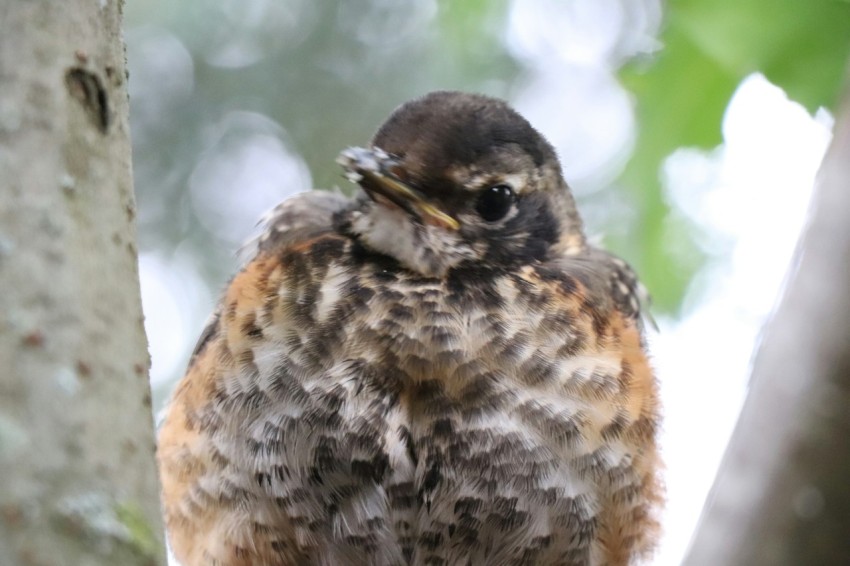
(452, 178)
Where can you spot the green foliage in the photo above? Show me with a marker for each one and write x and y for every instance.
(470, 42)
(708, 47)
(801, 46)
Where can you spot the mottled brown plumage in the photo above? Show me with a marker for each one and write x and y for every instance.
(439, 371)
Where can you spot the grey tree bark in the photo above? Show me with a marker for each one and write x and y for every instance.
(782, 496)
(77, 478)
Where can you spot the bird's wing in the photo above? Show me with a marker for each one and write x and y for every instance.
(611, 291)
(297, 219)
(211, 478)
(609, 278)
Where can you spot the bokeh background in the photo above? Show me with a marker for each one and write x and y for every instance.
(690, 132)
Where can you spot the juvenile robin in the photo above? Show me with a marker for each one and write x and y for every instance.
(440, 370)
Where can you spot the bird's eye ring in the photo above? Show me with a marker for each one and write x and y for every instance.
(495, 202)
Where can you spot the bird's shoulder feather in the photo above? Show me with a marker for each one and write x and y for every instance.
(299, 219)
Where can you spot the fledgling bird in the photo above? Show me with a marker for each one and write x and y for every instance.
(440, 370)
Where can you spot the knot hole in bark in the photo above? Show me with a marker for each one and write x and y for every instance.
(88, 89)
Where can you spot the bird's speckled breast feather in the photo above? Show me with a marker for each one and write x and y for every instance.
(342, 410)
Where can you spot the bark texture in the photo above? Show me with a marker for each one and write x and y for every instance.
(782, 496)
(78, 480)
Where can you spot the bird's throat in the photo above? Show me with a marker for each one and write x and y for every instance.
(428, 250)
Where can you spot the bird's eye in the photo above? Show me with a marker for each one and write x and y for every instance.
(495, 202)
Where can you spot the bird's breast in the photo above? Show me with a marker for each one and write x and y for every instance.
(490, 403)
(351, 410)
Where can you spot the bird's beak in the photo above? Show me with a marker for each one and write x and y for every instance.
(373, 170)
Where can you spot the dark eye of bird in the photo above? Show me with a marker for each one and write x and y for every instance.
(494, 203)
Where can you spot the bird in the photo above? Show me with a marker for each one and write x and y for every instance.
(439, 370)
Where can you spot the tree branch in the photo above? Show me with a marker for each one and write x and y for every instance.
(782, 496)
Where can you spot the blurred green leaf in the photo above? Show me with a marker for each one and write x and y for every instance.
(682, 93)
(462, 22)
(470, 43)
(800, 46)
(680, 102)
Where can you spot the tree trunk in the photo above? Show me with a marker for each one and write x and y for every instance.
(77, 478)
(782, 496)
